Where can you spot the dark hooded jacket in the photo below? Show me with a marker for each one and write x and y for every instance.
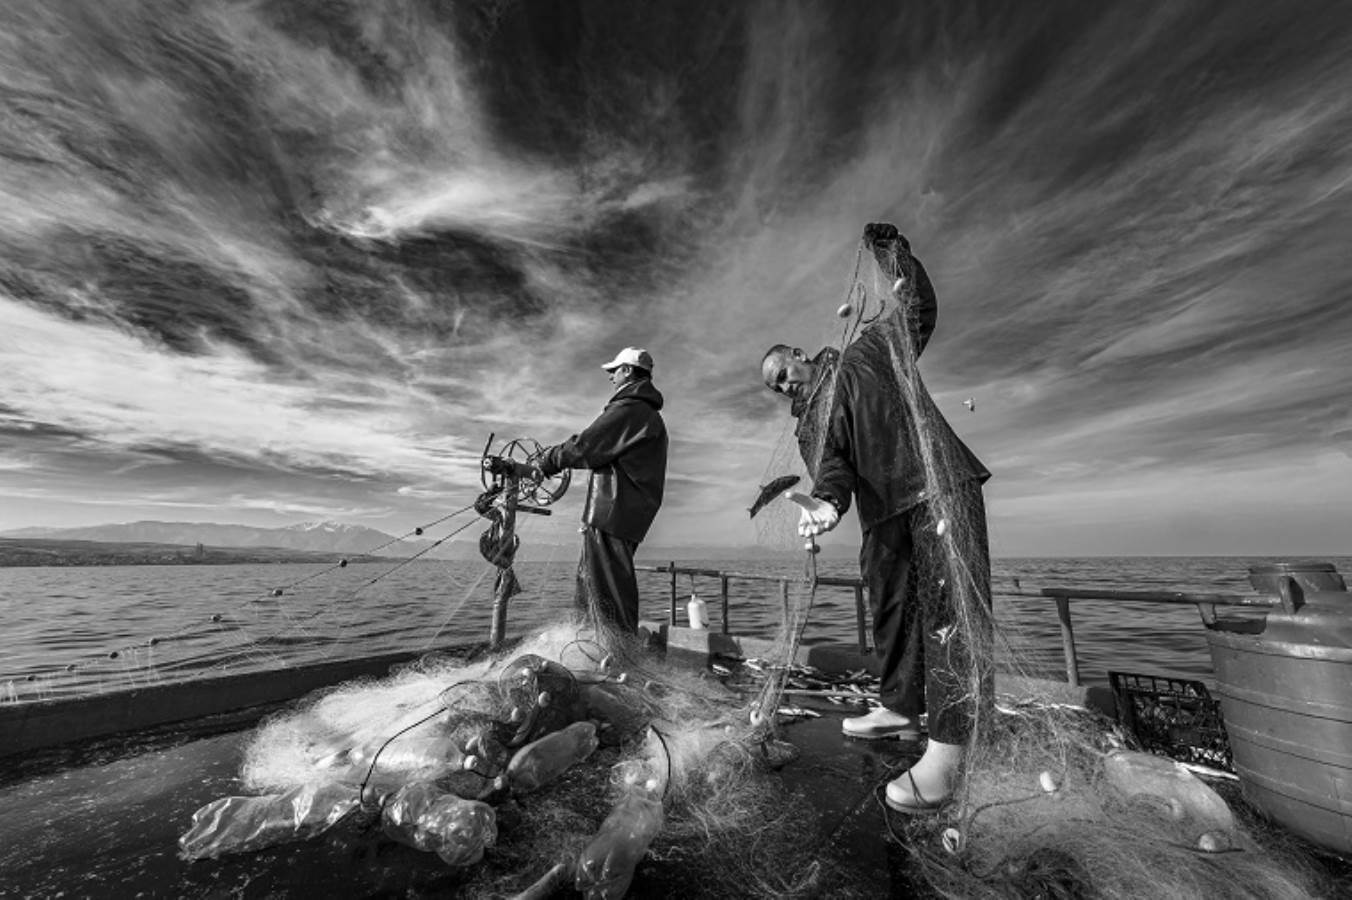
(626, 451)
(871, 447)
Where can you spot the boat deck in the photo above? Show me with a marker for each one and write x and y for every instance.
(102, 818)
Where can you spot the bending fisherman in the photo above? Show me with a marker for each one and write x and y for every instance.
(858, 440)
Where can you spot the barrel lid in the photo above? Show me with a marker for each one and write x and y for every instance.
(1310, 575)
(1323, 620)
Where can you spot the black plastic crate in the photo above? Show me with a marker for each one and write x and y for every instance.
(1173, 717)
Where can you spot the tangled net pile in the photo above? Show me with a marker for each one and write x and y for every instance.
(565, 761)
(1051, 803)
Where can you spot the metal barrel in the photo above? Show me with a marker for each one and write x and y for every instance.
(1285, 686)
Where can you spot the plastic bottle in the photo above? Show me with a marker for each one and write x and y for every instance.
(428, 818)
(606, 865)
(237, 824)
(698, 611)
(542, 761)
(618, 706)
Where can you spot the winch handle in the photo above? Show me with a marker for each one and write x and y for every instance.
(501, 465)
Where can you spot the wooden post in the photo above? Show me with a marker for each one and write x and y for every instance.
(723, 591)
(502, 594)
(859, 619)
(1068, 641)
(784, 599)
(672, 566)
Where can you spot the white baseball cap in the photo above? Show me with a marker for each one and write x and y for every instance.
(630, 356)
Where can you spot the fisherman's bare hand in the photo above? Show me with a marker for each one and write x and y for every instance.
(815, 516)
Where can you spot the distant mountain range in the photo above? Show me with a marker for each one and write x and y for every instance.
(335, 537)
(327, 537)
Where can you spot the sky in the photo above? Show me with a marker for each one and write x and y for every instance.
(265, 263)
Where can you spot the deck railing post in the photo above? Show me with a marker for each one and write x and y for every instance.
(859, 619)
(672, 566)
(723, 593)
(1068, 641)
(784, 598)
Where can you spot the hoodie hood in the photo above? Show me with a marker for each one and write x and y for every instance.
(825, 362)
(639, 390)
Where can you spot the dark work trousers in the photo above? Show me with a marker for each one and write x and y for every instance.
(607, 589)
(924, 657)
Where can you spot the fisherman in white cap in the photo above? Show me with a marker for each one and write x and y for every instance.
(626, 451)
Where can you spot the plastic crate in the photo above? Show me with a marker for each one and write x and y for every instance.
(1173, 717)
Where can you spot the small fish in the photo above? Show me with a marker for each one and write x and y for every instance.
(772, 490)
(797, 712)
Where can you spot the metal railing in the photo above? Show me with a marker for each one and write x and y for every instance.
(724, 577)
(1206, 603)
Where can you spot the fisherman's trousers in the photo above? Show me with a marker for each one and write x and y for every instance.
(923, 648)
(607, 588)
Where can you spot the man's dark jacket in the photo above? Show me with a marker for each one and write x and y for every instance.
(871, 448)
(626, 451)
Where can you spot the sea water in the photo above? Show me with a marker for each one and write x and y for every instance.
(80, 630)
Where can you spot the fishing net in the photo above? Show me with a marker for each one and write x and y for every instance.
(568, 761)
(1049, 801)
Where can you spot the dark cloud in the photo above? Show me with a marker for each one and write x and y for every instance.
(149, 289)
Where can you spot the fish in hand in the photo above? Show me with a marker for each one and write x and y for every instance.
(772, 490)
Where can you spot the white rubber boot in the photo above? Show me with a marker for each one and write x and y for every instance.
(928, 784)
(881, 723)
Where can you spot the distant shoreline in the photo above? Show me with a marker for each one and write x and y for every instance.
(29, 552)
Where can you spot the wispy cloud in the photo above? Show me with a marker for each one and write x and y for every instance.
(120, 390)
(304, 264)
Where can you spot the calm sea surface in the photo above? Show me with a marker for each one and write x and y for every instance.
(89, 629)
